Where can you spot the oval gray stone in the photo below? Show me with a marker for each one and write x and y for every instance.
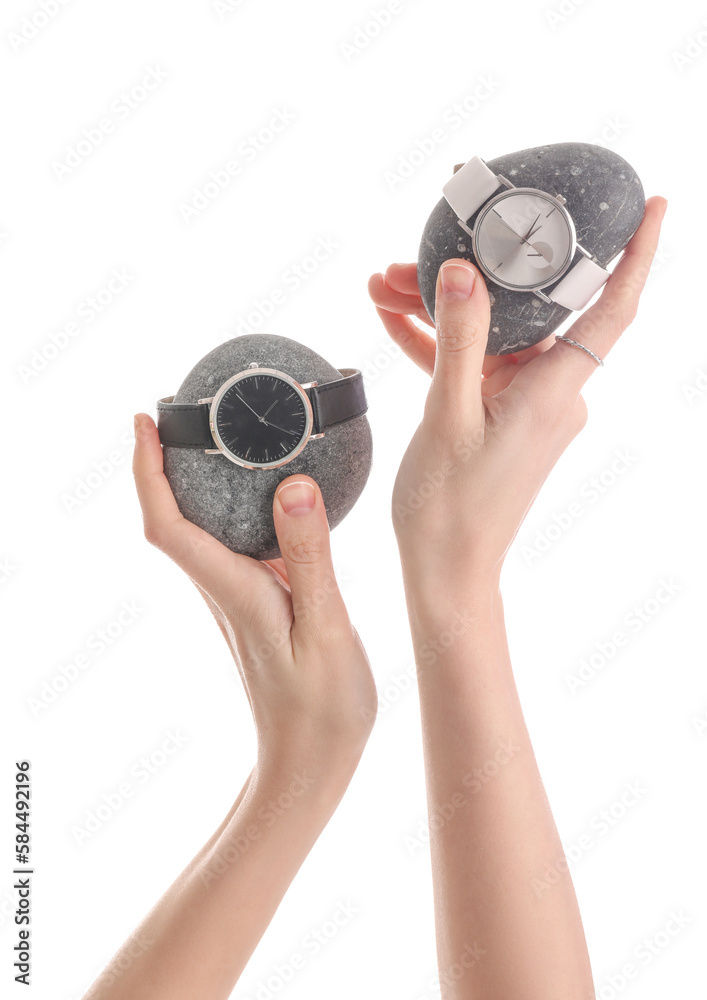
(235, 504)
(605, 199)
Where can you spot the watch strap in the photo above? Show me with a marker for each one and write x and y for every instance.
(579, 284)
(342, 399)
(470, 186)
(184, 425)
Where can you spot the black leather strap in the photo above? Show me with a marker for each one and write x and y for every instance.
(186, 425)
(342, 399)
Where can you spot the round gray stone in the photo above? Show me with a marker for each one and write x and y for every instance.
(605, 199)
(235, 504)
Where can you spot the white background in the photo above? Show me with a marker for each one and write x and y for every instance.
(599, 72)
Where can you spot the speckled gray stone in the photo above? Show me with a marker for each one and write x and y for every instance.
(605, 199)
(235, 504)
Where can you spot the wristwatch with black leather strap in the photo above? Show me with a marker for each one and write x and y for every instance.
(523, 238)
(261, 418)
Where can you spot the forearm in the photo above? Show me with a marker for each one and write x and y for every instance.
(500, 934)
(198, 938)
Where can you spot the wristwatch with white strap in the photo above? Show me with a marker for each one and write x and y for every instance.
(523, 238)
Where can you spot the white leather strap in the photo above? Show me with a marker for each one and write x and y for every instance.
(579, 284)
(470, 187)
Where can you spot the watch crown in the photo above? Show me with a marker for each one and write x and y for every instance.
(562, 200)
(254, 364)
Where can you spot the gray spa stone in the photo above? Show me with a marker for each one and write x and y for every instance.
(605, 199)
(235, 504)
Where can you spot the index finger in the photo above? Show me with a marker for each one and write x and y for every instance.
(566, 367)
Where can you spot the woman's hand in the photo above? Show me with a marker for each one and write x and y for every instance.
(492, 429)
(313, 700)
(493, 426)
(301, 661)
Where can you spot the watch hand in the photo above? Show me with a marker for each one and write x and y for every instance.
(283, 429)
(538, 254)
(521, 238)
(247, 404)
(268, 411)
(528, 234)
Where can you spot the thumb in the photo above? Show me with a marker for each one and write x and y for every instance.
(303, 536)
(462, 316)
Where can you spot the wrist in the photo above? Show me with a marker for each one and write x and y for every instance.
(471, 570)
(285, 807)
(323, 778)
(451, 626)
(435, 597)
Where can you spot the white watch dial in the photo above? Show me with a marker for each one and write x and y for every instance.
(524, 238)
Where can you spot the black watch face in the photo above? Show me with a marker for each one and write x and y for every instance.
(262, 420)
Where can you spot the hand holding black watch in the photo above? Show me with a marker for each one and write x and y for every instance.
(261, 418)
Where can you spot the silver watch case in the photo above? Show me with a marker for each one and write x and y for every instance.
(255, 369)
(488, 206)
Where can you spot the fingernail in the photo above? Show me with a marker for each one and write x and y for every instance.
(297, 498)
(665, 207)
(457, 281)
(136, 422)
